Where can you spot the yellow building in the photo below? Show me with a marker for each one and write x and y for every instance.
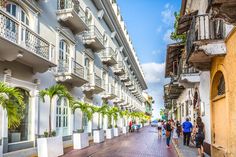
(223, 100)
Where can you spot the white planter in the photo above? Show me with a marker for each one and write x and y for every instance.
(50, 147)
(116, 132)
(98, 136)
(1, 151)
(80, 140)
(124, 130)
(109, 133)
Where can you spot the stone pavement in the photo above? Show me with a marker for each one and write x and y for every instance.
(185, 151)
(144, 143)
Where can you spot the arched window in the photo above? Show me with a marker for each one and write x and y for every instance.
(221, 86)
(62, 117)
(64, 53)
(16, 10)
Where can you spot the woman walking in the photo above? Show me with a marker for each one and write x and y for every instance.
(159, 128)
(200, 136)
(175, 133)
(168, 133)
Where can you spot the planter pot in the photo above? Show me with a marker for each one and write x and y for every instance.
(50, 147)
(1, 151)
(80, 140)
(109, 133)
(116, 132)
(98, 136)
(124, 130)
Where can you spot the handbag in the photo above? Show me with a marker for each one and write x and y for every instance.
(167, 133)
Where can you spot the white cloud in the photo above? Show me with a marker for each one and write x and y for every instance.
(154, 72)
(168, 14)
(159, 29)
(166, 36)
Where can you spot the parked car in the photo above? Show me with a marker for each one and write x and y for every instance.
(154, 123)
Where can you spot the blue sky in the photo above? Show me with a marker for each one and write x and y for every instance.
(149, 24)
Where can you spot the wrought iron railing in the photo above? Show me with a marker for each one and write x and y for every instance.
(17, 32)
(78, 69)
(93, 33)
(98, 81)
(203, 29)
(108, 53)
(63, 5)
(63, 66)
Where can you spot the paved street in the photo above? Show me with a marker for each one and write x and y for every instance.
(142, 144)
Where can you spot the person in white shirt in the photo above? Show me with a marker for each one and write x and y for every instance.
(159, 128)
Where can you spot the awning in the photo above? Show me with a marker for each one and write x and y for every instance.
(173, 54)
(185, 22)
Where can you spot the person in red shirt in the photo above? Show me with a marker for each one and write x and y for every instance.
(130, 126)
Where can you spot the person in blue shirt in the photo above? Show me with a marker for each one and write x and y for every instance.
(187, 129)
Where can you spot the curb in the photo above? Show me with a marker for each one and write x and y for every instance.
(177, 149)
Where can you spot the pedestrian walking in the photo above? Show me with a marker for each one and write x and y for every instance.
(168, 133)
(130, 126)
(200, 136)
(179, 130)
(175, 133)
(159, 128)
(187, 128)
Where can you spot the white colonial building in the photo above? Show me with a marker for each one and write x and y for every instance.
(83, 44)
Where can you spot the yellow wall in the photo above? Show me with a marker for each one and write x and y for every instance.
(227, 65)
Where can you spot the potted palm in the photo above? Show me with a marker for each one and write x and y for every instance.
(125, 116)
(80, 138)
(98, 134)
(46, 144)
(110, 113)
(116, 113)
(11, 100)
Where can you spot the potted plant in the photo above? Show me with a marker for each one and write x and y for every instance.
(11, 100)
(110, 114)
(115, 116)
(125, 116)
(46, 144)
(98, 134)
(80, 138)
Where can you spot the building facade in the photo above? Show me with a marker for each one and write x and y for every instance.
(210, 32)
(82, 44)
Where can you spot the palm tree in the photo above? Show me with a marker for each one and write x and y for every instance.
(11, 100)
(56, 90)
(111, 112)
(85, 109)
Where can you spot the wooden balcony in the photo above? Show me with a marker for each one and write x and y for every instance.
(70, 14)
(119, 69)
(223, 9)
(204, 40)
(108, 56)
(19, 43)
(70, 72)
(188, 77)
(93, 39)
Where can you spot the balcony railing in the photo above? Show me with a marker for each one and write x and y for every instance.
(63, 5)
(93, 33)
(98, 81)
(18, 33)
(203, 29)
(76, 68)
(108, 53)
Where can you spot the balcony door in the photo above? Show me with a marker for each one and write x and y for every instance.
(62, 117)
(64, 54)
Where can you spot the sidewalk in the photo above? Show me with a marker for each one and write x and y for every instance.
(185, 151)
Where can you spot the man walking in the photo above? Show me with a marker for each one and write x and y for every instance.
(187, 128)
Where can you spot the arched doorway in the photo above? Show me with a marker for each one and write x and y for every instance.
(219, 114)
(22, 132)
(62, 117)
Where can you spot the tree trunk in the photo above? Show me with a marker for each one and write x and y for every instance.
(50, 123)
(98, 121)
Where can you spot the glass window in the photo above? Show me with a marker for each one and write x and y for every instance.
(221, 86)
(11, 8)
(62, 117)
